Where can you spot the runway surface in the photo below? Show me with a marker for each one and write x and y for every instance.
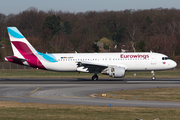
(77, 91)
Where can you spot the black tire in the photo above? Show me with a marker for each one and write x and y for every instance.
(153, 78)
(95, 77)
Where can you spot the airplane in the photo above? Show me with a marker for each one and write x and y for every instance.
(113, 64)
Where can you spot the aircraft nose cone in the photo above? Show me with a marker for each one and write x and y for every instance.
(174, 63)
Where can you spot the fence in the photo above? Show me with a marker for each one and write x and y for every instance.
(9, 65)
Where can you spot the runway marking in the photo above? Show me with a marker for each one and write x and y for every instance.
(93, 95)
(87, 97)
(74, 97)
(31, 92)
(154, 82)
(6, 96)
(45, 96)
(14, 85)
(11, 96)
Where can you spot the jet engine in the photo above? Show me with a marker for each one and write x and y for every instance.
(117, 72)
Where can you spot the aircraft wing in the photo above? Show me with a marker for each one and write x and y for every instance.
(92, 67)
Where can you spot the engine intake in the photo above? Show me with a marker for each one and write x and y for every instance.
(117, 72)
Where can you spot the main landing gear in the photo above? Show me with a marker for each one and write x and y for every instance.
(94, 77)
(153, 75)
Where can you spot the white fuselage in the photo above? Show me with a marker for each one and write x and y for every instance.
(141, 61)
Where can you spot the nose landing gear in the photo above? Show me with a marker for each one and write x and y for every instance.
(153, 75)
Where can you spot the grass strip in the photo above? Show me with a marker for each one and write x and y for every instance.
(34, 73)
(157, 94)
(38, 111)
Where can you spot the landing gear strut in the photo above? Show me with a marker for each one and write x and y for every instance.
(153, 75)
(94, 77)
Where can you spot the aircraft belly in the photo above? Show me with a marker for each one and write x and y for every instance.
(140, 65)
(61, 66)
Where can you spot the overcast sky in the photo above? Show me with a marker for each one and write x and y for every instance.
(16, 6)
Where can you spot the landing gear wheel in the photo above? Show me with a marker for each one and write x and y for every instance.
(153, 75)
(94, 77)
(153, 78)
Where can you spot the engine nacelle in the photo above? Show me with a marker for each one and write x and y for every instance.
(117, 72)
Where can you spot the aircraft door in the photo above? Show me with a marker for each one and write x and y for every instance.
(153, 59)
(39, 64)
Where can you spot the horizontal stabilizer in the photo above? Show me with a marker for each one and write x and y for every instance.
(14, 58)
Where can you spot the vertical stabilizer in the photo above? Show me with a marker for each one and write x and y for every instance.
(19, 43)
(24, 52)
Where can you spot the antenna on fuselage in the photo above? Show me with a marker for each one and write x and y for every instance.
(122, 50)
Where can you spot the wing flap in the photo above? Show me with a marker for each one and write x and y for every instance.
(92, 67)
(92, 64)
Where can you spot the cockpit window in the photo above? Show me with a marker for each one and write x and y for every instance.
(165, 58)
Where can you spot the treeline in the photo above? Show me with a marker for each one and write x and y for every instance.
(157, 30)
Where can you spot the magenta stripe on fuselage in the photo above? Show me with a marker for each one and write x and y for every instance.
(25, 51)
